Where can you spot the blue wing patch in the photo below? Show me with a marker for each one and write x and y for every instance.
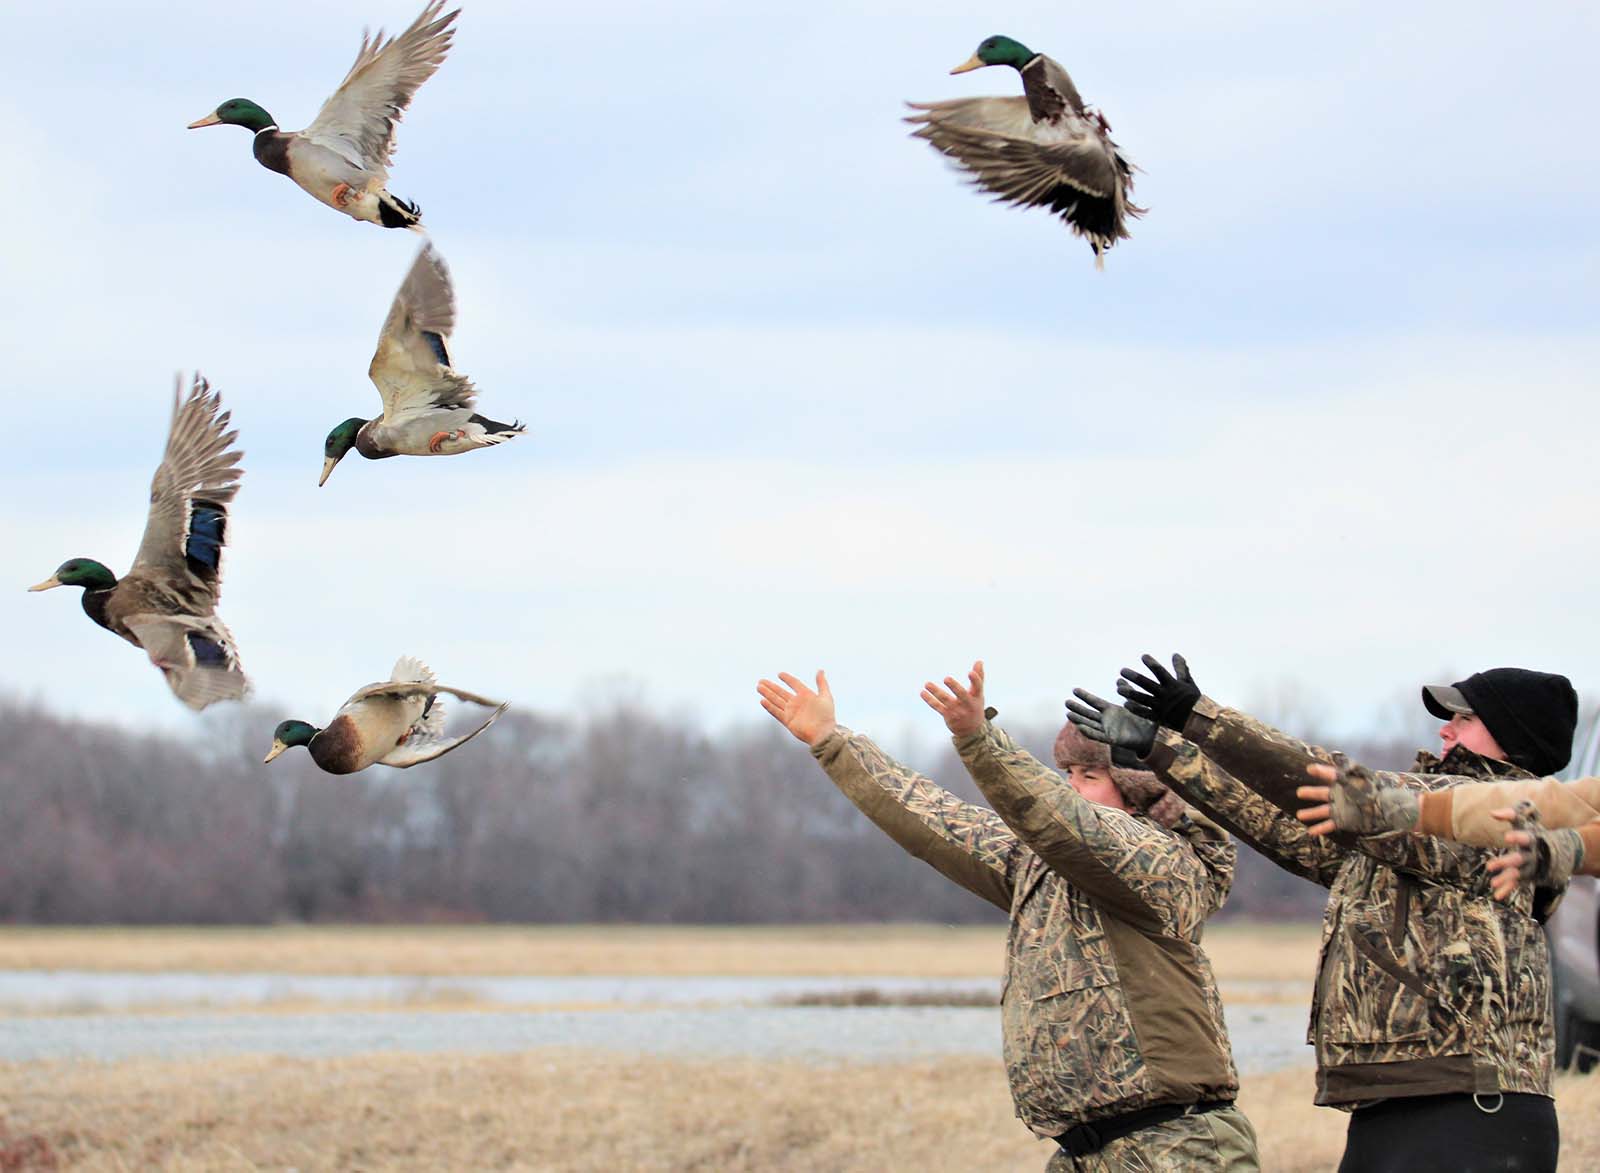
(436, 344)
(208, 525)
(208, 653)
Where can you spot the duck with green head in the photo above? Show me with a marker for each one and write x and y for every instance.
(397, 722)
(428, 409)
(342, 158)
(1045, 149)
(166, 603)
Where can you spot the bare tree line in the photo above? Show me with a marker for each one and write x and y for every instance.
(621, 815)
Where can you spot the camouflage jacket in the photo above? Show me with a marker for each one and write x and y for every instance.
(1426, 985)
(1108, 1004)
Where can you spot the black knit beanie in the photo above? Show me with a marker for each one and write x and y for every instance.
(1533, 715)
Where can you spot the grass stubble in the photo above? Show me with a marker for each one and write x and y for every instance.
(566, 1109)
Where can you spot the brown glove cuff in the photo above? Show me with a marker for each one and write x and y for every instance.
(1590, 834)
(1434, 813)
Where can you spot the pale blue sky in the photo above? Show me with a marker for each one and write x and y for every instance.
(796, 395)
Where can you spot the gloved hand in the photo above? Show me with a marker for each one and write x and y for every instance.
(1168, 699)
(1126, 759)
(1111, 724)
(1538, 858)
(1354, 800)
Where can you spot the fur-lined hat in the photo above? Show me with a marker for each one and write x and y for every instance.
(1139, 788)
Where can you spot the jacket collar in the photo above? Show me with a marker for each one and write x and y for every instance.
(1461, 762)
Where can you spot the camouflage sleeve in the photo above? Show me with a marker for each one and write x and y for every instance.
(1129, 867)
(1214, 848)
(1461, 808)
(1441, 861)
(1271, 763)
(963, 842)
(1220, 796)
(1434, 853)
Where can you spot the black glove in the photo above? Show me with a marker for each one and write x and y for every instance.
(1111, 724)
(1126, 758)
(1167, 700)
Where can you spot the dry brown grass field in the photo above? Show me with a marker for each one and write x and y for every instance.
(560, 1110)
(564, 1109)
(1238, 951)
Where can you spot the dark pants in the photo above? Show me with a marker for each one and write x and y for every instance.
(1452, 1134)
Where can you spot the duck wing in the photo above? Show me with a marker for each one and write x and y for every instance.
(425, 740)
(411, 365)
(401, 689)
(196, 654)
(187, 529)
(357, 122)
(1049, 90)
(998, 142)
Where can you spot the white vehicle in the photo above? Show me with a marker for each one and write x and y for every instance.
(1574, 933)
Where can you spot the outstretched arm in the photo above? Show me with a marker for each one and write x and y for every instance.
(1129, 867)
(1464, 808)
(1269, 762)
(965, 843)
(1381, 807)
(1209, 788)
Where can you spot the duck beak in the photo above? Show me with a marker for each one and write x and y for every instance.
(277, 748)
(967, 66)
(209, 120)
(52, 581)
(327, 469)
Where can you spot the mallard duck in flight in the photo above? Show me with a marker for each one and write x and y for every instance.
(1045, 149)
(166, 603)
(398, 723)
(343, 157)
(427, 406)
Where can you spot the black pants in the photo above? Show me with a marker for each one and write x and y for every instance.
(1451, 1134)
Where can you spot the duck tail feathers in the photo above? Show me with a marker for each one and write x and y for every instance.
(495, 432)
(394, 212)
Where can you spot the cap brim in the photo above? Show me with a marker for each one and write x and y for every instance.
(1445, 701)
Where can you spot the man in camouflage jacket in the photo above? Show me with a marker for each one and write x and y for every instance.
(1109, 1009)
(1514, 714)
(1426, 986)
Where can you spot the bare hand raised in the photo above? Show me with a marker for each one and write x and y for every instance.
(806, 714)
(961, 708)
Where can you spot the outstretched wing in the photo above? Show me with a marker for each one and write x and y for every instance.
(196, 654)
(411, 366)
(426, 740)
(357, 122)
(1022, 162)
(188, 525)
(399, 689)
